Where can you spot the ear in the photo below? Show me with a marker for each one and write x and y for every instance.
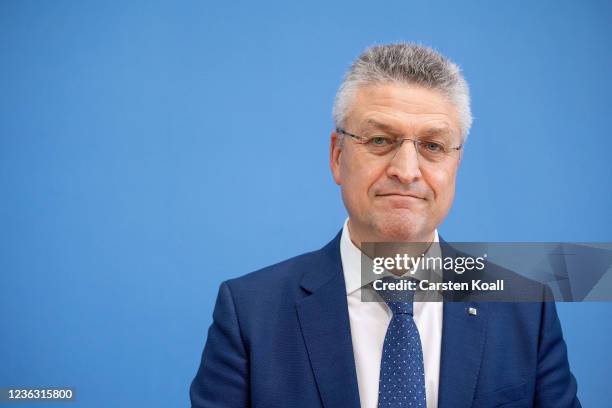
(335, 153)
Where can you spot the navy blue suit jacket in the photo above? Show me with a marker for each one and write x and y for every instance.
(280, 337)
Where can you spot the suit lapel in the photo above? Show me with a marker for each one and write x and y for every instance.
(463, 339)
(323, 318)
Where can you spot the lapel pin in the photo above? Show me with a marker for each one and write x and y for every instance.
(472, 311)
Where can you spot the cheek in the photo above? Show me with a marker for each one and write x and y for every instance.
(442, 183)
(358, 177)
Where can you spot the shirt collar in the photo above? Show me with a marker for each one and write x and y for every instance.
(351, 260)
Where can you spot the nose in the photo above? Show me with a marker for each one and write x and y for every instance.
(404, 165)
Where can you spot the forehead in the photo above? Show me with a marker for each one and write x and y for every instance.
(402, 108)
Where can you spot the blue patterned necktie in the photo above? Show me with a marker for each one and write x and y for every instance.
(402, 375)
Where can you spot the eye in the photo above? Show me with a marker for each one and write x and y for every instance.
(432, 147)
(380, 141)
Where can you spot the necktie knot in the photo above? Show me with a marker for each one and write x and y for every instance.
(400, 307)
(398, 294)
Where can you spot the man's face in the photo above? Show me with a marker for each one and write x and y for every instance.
(398, 196)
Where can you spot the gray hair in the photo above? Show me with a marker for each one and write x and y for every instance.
(405, 63)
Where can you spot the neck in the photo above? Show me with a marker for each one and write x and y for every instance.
(392, 248)
(357, 238)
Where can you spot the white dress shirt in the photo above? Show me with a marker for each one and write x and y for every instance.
(369, 321)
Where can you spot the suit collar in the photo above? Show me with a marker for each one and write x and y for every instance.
(325, 267)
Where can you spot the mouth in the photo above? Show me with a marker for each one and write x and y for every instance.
(400, 196)
(402, 201)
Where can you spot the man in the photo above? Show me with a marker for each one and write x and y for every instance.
(297, 334)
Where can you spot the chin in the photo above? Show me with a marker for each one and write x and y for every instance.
(401, 231)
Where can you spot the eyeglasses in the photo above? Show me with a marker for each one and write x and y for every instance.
(430, 149)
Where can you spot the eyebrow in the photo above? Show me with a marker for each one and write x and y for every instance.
(431, 132)
(382, 126)
(439, 131)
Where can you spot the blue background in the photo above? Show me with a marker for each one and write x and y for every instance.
(151, 150)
